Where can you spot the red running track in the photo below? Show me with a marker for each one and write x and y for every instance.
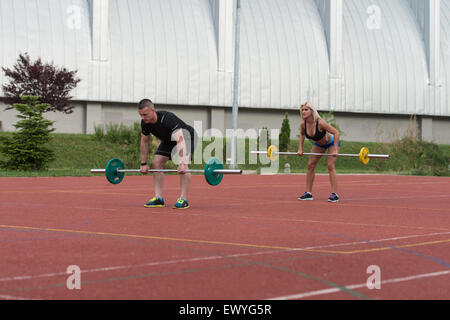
(248, 238)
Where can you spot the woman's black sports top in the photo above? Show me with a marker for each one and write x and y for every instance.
(318, 135)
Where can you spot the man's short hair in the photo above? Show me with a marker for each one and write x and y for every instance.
(145, 103)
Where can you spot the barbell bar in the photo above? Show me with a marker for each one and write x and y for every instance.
(213, 171)
(364, 154)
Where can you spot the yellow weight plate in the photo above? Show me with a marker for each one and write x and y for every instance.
(364, 155)
(271, 153)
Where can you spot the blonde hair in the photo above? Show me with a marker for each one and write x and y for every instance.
(315, 114)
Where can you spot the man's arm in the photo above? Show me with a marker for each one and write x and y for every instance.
(144, 153)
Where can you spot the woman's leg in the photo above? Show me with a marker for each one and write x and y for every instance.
(312, 162)
(332, 169)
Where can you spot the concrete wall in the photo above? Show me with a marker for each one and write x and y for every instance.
(356, 127)
(65, 123)
(374, 128)
(441, 127)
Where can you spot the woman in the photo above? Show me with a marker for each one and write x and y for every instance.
(325, 138)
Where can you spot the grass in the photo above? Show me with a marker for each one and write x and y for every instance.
(76, 154)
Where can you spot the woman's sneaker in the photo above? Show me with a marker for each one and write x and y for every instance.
(156, 202)
(306, 196)
(333, 198)
(181, 204)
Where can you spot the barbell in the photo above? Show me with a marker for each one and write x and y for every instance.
(213, 171)
(364, 154)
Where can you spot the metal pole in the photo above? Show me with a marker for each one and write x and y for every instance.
(235, 89)
(219, 171)
(380, 156)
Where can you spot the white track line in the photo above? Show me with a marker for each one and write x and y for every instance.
(157, 263)
(323, 222)
(357, 286)
(396, 198)
(150, 264)
(5, 297)
(375, 241)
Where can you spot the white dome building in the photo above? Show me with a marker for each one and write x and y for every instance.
(375, 63)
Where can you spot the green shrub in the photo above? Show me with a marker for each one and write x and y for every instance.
(27, 148)
(285, 134)
(419, 157)
(129, 137)
(116, 133)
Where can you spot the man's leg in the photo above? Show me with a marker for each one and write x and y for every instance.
(158, 177)
(185, 181)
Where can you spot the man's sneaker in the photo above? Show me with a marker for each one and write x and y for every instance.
(333, 197)
(181, 204)
(156, 202)
(306, 196)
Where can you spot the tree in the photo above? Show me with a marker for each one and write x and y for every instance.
(50, 83)
(27, 147)
(285, 134)
(330, 119)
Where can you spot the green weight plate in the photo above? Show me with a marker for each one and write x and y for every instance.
(213, 178)
(111, 173)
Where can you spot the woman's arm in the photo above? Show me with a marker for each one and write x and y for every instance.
(301, 140)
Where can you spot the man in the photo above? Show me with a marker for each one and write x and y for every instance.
(172, 132)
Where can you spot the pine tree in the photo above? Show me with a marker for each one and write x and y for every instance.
(27, 148)
(285, 134)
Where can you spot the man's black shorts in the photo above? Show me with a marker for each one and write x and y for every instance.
(165, 148)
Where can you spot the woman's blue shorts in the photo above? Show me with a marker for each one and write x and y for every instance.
(329, 144)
